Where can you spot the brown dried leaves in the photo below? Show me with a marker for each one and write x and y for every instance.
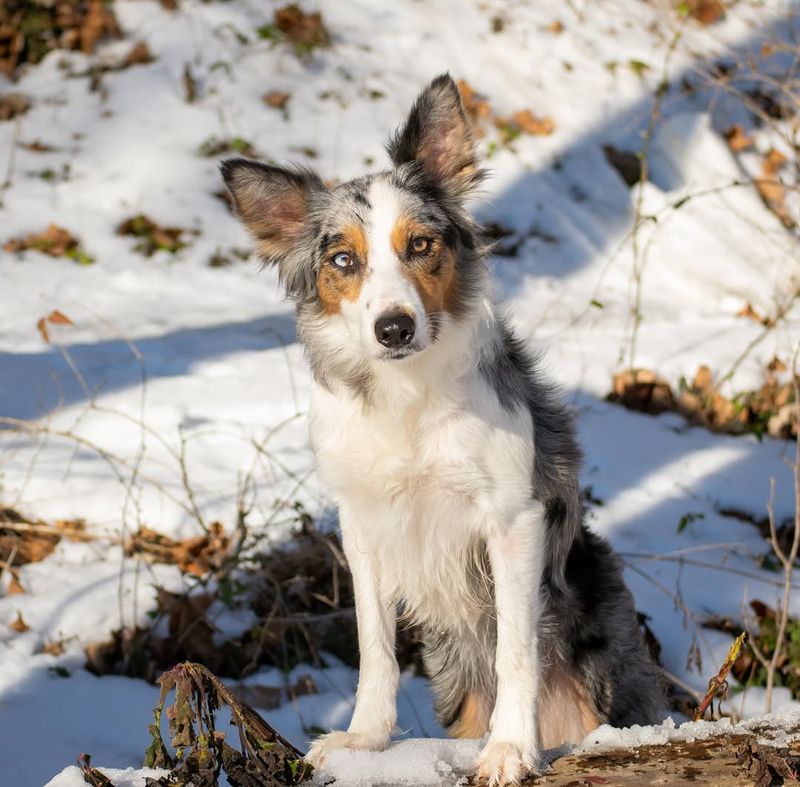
(198, 556)
(706, 12)
(54, 241)
(772, 191)
(12, 105)
(768, 410)
(201, 751)
(54, 318)
(152, 236)
(290, 24)
(304, 31)
(28, 31)
(23, 540)
(479, 111)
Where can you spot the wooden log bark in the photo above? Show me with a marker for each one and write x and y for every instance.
(727, 760)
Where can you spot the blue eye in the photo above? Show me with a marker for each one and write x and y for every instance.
(342, 260)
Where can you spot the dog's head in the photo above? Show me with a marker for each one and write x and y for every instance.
(378, 266)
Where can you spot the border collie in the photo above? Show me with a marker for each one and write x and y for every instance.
(453, 462)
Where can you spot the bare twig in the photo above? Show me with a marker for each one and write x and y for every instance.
(787, 559)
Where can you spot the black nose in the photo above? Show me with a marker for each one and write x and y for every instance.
(394, 330)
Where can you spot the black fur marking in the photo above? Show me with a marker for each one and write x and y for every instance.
(329, 241)
(360, 198)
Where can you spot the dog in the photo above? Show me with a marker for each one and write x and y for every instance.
(453, 462)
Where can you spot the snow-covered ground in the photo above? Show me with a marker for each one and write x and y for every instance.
(168, 356)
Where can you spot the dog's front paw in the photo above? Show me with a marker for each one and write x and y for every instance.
(503, 762)
(339, 739)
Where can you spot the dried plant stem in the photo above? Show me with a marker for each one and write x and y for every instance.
(787, 560)
(640, 257)
(773, 322)
(114, 461)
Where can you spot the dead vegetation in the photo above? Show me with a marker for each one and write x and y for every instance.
(54, 241)
(24, 540)
(769, 410)
(763, 624)
(152, 237)
(301, 595)
(201, 751)
(29, 29)
(304, 32)
(481, 114)
(13, 105)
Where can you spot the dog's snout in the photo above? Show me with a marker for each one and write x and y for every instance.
(394, 330)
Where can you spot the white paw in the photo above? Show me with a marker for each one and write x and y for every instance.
(338, 739)
(502, 762)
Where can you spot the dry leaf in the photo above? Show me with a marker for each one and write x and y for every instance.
(276, 99)
(776, 365)
(555, 27)
(19, 625)
(305, 31)
(12, 105)
(528, 123)
(59, 318)
(737, 139)
(24, 541)
(772, 191)
(37, 146)
(29, 29)
(55, 241)
(98, 23)
(15, 586)
(53, 648)
(198, 556)
(773, 162)
(41, 325)
(139, 55)
(153, 237)
(703, 380)
(749, 312)
(706, 12)
(643, 390)
(476, 105)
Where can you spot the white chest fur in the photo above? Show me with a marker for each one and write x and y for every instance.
(421, 482)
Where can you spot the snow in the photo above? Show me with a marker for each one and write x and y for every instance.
(441, 761)
(420, 761)
(782, 728)
(178, 358)
(126, 777)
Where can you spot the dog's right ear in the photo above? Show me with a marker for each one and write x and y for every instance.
(273, 204)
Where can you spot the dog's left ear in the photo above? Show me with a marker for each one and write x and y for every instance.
(437, 135)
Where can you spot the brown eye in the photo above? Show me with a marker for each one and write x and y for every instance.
(420, 245)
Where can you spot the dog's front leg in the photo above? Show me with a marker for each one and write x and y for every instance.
(515, 555)
(375, 712)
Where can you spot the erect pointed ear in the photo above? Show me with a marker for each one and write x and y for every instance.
(437, 134)
(273, 203)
